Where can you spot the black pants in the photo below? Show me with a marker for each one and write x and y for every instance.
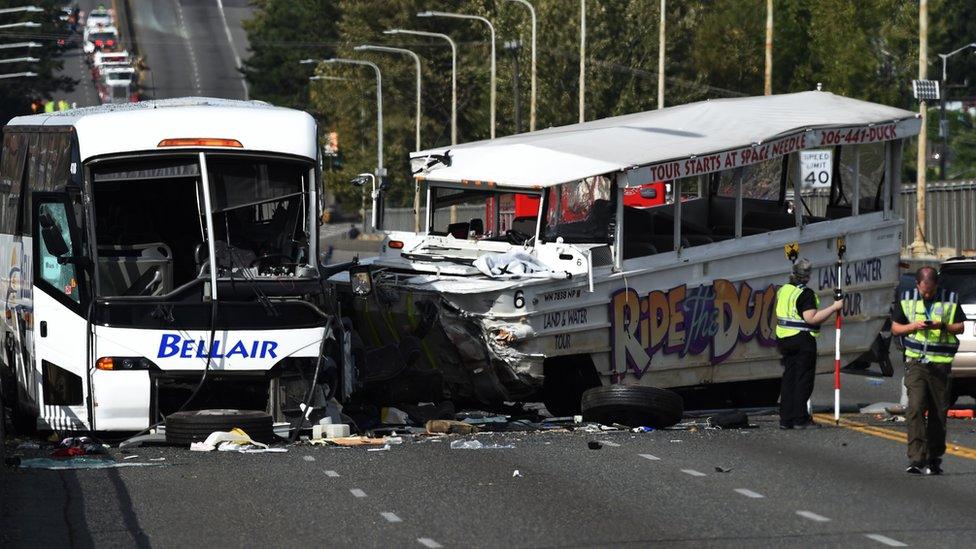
(929, 387)
(799, 368)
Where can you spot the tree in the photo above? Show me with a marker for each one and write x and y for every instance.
(280, 34)
(16, 94)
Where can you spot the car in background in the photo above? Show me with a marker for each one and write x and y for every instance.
(100, 39)
(99, 17)
(958, 274)
(118, 85)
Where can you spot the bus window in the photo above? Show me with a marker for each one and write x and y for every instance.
(53, 230)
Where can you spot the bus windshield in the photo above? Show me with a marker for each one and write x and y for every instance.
(150, 226)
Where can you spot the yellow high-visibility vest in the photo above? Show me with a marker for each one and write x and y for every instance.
(936, 344)
(789, 322)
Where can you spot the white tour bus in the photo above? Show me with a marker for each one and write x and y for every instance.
(677, 295)
(110, 216)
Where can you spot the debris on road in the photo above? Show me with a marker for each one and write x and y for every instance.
(235, 439)
(383, 448)
(729, 420)
(477, 445)
(516, 473)
(879, 408)
(594, 445)
(719, 469)
(450, 427)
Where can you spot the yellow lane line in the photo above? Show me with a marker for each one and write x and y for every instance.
(890, 434)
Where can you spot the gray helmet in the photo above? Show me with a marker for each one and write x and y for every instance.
(801, 270)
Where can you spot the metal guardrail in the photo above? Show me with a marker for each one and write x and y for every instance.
(950, 220)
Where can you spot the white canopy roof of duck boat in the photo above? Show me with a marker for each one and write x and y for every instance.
(670, 143)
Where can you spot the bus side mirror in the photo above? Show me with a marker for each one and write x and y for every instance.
(52, 236)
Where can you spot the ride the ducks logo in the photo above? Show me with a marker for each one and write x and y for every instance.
(687, 321)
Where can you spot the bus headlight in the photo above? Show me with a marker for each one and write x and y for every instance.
(122, 363)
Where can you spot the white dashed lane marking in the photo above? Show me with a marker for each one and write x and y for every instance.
(357, 492)
(885, 540)
(693, 472)
(813, 516)
(427, 542)
(749, 493)
(332, 474)
(650, 457)
(391, 517)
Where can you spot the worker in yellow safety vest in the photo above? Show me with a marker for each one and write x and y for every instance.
(798, 319)
(928, 319)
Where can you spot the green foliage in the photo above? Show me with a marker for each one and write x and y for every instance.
(16, 94)
(715, 48)
(281, 33)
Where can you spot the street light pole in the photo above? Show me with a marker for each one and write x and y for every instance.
(18, 75)
(20, 45)
(24, 24)
(491, 29)
(943, 123)
(529, 5)
(416, 59)
(582, 71)
(453, 73)
(660, 58)
(380, 170)
(21, 9)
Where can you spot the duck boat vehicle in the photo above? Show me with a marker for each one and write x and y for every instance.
(534, 276)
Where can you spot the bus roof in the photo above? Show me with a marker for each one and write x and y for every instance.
(670, 143)
(134, 127)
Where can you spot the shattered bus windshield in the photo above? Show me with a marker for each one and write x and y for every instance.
(151, 229)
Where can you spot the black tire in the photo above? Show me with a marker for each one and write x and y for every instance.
(182, 428)
(633, 406)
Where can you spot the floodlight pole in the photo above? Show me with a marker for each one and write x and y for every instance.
(919, 245)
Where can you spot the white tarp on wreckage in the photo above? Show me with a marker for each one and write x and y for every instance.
(671, 143)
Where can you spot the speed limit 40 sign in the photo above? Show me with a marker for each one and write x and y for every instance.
(816, 167)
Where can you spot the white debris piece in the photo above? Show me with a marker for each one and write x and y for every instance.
(514, 264)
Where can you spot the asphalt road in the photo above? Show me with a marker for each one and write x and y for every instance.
(84, 94)
(192, 47)
(835, 486)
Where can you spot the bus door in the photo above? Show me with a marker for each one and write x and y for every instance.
(59, 325)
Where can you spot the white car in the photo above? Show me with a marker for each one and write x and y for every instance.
(99, 18)
(958, 274)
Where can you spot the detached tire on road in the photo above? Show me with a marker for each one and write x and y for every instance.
(182, 428)
(634, 406)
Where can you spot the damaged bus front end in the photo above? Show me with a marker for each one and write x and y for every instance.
(165, 259)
